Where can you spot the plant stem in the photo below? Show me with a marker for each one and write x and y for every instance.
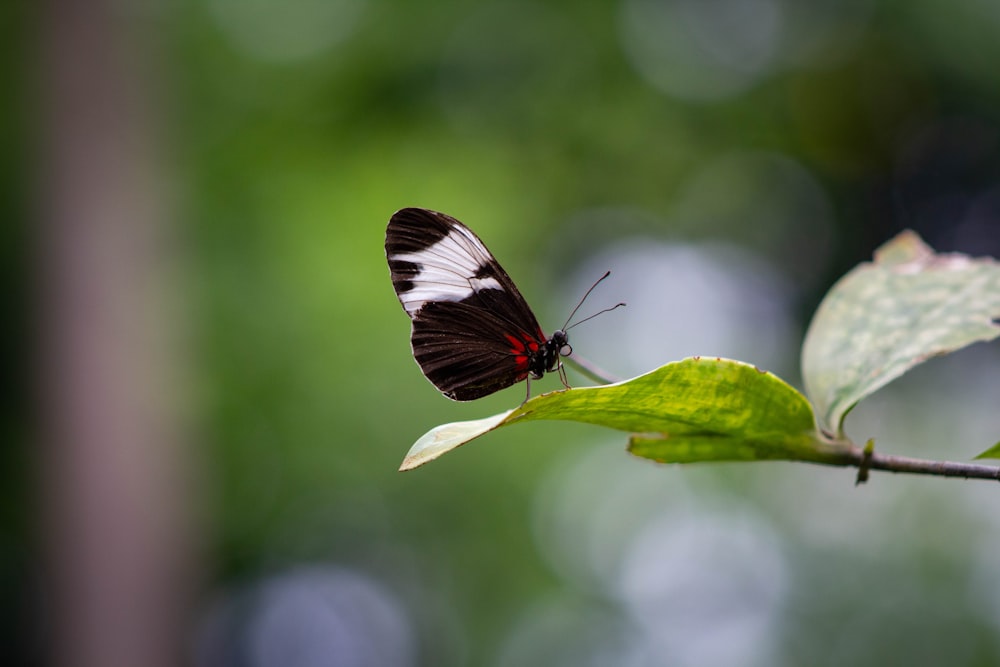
(590, 370)
(865, 459)
(941, 468)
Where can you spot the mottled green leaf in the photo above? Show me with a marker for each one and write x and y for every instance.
(692, 410)
(885, 317)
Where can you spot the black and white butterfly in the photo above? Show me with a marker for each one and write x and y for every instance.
(473, 332)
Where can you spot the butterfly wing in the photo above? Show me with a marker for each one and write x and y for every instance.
(473, 333)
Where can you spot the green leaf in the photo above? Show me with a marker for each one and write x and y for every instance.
(692, 410)
(884, 318)
(991, 453)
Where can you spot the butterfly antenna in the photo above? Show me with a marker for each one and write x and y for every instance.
(600, 312)
(599, 280)
(565, 326)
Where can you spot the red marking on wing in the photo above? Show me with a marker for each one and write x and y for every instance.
(523, 349)
(517, 345)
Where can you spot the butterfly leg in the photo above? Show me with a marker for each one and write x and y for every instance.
(562, 375)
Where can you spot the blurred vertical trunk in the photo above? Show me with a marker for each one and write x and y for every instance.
(115, 530)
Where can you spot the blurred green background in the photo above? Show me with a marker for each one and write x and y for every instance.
(726, 160)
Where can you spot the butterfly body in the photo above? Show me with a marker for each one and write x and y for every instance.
(472, 331)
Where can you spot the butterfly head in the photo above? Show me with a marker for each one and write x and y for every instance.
(548, 358)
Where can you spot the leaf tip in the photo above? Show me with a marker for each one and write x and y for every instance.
(904, 248)
(991, 453)
(446, 437)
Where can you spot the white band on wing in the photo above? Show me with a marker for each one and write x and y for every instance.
(448, 271)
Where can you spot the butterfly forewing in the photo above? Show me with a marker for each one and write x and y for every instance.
(473, 333)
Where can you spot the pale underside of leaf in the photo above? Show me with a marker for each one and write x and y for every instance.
(885, 317)
(442, 439)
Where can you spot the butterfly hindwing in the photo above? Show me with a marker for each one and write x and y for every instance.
(473, 333)
(453, 344)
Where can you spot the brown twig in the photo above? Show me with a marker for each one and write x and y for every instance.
(865, 459)
(940, 468)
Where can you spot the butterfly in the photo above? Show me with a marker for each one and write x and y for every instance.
(473, 333)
